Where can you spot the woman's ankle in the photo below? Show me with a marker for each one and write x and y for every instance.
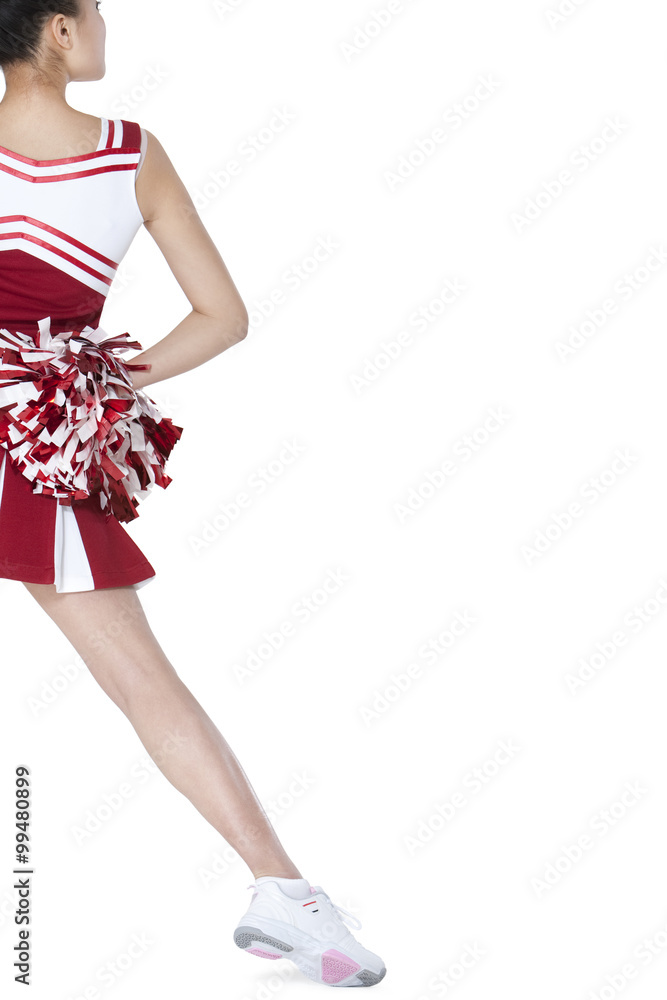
(276, 874)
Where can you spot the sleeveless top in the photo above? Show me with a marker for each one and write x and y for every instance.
(65, 226)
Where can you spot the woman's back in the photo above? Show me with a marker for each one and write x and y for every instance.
(66, 221)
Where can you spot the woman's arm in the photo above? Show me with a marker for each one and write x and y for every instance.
(219, 318)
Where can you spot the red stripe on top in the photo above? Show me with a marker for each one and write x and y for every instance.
(59, 252)
(68, 177)
(131, 135)
(63, 236)
(66, 159)
(110, 134)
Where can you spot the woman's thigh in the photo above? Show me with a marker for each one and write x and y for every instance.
(110, 631)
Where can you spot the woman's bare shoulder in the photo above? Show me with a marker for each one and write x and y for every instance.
(158, 182)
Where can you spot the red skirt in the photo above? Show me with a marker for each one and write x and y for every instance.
(77, 547)
(78, 446)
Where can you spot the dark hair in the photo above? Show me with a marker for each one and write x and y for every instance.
(22, 23)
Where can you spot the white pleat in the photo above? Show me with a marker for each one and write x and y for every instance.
(70, 562)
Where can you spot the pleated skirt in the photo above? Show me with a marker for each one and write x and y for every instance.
(76, 547)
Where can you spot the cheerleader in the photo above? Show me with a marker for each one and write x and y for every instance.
(82, 443)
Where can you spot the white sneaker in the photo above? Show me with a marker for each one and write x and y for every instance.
(309, 932)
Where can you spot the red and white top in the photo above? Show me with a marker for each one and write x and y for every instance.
(79, 215)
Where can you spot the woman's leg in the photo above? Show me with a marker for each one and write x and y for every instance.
(131, 667)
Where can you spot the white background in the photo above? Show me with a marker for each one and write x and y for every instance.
(493, 878)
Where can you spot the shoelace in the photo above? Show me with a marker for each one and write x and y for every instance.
(340, 910)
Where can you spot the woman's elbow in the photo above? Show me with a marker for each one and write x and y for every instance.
(233, 328)
(243, 325)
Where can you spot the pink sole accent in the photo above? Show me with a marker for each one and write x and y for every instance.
(336, 966)
(262, 954)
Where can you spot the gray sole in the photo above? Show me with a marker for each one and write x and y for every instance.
(244, 936)
(369, 978)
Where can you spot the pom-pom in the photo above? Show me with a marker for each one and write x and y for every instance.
(74, 424)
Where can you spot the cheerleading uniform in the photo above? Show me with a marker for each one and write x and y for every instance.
(77, 442)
